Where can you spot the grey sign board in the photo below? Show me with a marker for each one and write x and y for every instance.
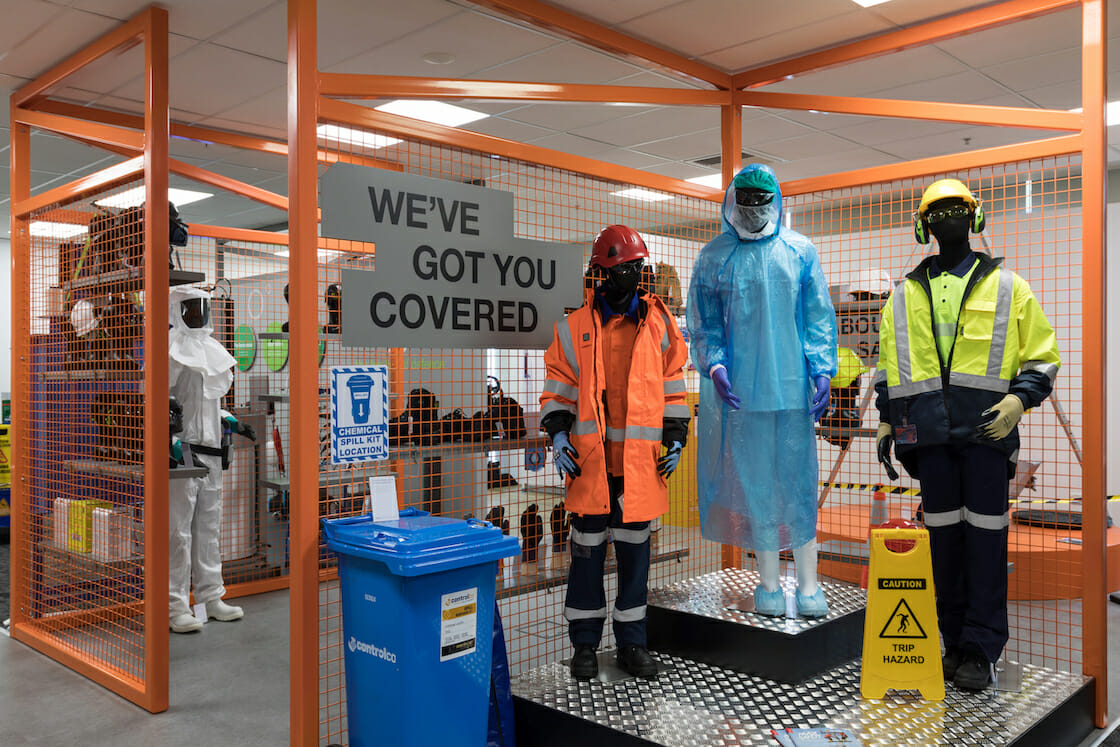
(449, 272)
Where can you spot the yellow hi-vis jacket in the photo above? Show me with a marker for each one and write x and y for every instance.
(1003, 344)
(576, 372)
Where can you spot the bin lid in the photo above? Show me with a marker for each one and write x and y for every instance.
(418, 543)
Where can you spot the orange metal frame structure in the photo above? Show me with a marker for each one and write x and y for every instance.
(311, 98)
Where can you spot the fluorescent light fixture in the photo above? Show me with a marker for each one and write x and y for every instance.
(868, 3)
(1111, 111)
(349, 136)
(435, 112)
(136, 195)
(715, 181)
(641, 195)
(53, 230)
(325, 255)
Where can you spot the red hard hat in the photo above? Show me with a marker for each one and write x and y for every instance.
(615, 245)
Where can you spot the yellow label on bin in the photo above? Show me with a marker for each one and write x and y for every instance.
(79, 538)
(900, 647)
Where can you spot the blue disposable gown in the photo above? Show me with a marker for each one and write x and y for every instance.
(759, 304)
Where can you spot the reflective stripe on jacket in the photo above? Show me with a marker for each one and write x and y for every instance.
(1003, 344)
(576, 374)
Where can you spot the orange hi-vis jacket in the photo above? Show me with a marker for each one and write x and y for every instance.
(577, 369)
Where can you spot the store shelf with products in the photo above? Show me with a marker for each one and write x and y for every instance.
(129, 278)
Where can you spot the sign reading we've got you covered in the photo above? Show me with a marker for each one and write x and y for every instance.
(449, 272)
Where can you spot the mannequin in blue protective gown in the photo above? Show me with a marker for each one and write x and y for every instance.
(763, 336)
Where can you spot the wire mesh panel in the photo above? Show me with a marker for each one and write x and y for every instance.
(82, 573)
(865, 236)
(465, 438)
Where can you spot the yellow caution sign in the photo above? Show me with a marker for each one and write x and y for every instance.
(900, 648)
(5, 456)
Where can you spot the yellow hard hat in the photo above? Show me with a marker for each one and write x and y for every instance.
(942, 189)
(850, 367)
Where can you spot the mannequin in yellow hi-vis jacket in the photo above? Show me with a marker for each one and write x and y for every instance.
(964, 349)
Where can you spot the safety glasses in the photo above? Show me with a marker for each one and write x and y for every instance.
(956, 211)
(753, 198)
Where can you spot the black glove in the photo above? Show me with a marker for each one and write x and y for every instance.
(883, 443)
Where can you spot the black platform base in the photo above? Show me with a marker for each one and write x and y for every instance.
(702, 620)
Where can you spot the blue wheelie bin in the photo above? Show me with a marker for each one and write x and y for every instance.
(417, 620)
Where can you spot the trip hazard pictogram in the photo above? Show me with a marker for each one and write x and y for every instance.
(3, 459)
(902, 623)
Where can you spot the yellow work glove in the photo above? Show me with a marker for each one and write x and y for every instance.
(884, 438)
(1004, 415)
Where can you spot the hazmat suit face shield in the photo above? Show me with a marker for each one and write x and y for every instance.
(755, 208)
(195, 312)
(752, 205)
(626, 276)
(948, 220)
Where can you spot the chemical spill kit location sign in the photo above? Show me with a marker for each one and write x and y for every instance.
(900, 648)
(449, 272)
(359, 414)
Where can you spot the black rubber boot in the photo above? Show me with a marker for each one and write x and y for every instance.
(974, 673)
(637, 661)
(584, 664)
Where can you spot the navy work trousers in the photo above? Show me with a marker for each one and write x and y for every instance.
(964, 500)
(585, 607)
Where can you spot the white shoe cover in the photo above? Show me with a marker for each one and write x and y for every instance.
(187, 623)
(216, 609)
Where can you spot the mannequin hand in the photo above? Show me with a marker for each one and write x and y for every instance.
(883, 441)
(723, 387)
(1005, 416)
(821, 397)
(565, 456)
(667, 464)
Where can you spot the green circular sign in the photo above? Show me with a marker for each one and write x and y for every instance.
(275, 349)
(244, 347)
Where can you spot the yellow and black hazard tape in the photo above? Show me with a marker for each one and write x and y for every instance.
(899, 490)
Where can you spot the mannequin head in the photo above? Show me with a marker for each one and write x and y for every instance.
(948, 212)
(752, 205)
(617, 258)
(755, 208)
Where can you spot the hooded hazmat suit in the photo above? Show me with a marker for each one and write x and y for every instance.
(200, 372)
(759, 305)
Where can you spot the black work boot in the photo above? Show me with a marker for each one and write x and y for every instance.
(950, 662)
(637, 661)
(584, 664)
(974, 673)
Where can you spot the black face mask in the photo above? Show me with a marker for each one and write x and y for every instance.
(626, 276)
(951, 231)
(195, 312)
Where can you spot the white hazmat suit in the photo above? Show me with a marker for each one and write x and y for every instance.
(200, 372)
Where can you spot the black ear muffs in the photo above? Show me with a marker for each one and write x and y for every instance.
(921, 232)
(979, 220)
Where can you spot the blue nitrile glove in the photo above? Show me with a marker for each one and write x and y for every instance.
(820, 397)
(565, 456)
(723, 387)
(238, 427)
(667, 464)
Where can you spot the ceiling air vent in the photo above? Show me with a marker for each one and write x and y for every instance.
(717, 159)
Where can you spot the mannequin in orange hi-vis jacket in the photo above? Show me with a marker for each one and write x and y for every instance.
(614, 396)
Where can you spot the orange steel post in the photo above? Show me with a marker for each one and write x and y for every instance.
(20, 364)
(576, 27)
(731, 149)
(98, 181)
(1094, 181)
(303, 598)
(156, 480)
(896, 41)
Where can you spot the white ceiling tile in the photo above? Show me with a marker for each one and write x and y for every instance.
(477, 41)
(1057, 96)
(577, 146)
(832, 164)
(684, 147)
(653, 125)
(114, 70)
(348, 28)
(813, 145)
(563, 117)
(209, 79)
(877, 74)
(615, 11)
(1022, 40)
(652, 79)
(876, 130)
(954, 141)
(760, 130)
(1047, 69)
(264, 34)
(255, 159)
(826, 121)
(199, 19)
(680, 170)
(67, 32)
(968, 87)
(270, 110)
(795, 41)
(907, 13)
(60, 155)
(20, 25)
(631, 159)
(563, 63)
(279, 134)
(507, 129)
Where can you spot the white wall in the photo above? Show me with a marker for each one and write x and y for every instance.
(5, 316)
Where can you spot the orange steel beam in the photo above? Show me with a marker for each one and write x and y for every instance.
(247, 588)
(581, 29)
(239, 234)
(157, 123)
(229, 184)
(108, 677)
(896, 41)
(352, 86)
(20, 309)
(361, 116)
(1094, 184)
(122, 38)
(936, 165)
(303, 269)
(998, 116)
(92, 132)
(98, 181)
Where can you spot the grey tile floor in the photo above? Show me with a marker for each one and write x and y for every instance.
(229, 686)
